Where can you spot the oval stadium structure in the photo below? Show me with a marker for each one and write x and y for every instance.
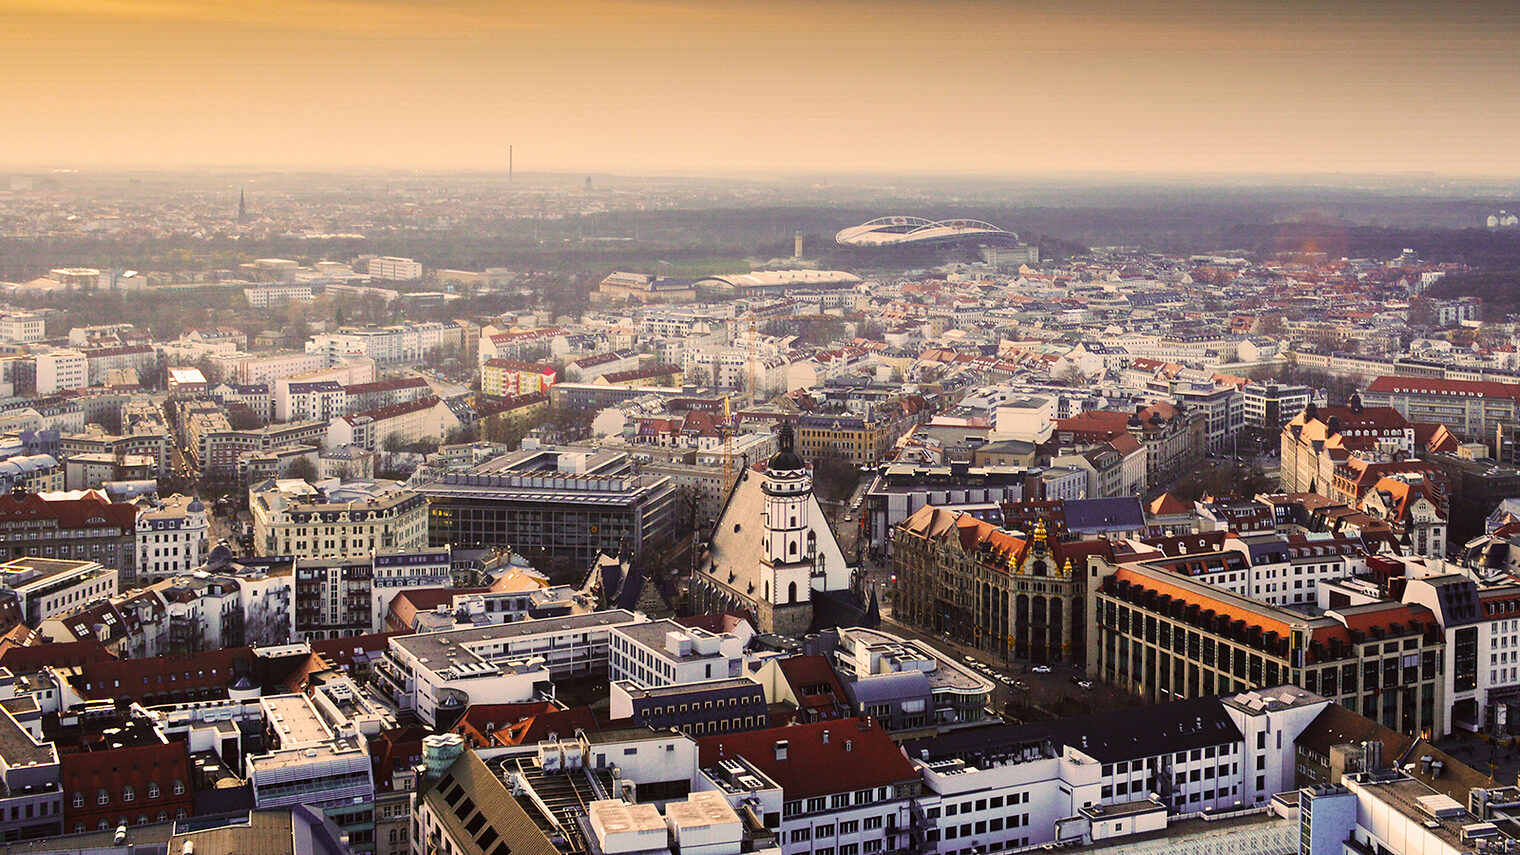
(917, 231)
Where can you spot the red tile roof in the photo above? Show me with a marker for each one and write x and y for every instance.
(522, 724)
(1437, 386)
(821, 759)
(24, 660)
(808, 672)
(91, 509)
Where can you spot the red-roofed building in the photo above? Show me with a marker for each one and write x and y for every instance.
(26, 659)
(508, 725)
(107, 783)
(394, 754)
(806, 687)
(988, 588)
(1320, 439)
(1471, 408)
(1173, 439)
(88, 528)
(1415, 506)
(849, 770)
(508, 378)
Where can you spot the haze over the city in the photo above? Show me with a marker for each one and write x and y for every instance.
(689, 87)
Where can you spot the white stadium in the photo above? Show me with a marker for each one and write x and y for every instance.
(911, 231)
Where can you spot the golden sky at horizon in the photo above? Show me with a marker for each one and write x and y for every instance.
(742, 86)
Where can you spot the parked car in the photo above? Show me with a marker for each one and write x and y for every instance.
(1041, 669)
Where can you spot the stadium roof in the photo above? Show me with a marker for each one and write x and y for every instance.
(908, 231)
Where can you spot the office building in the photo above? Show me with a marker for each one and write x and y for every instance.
(436, 675)
(571, 504)
(1162, 634)
(1473, 409)
(45, 587)
(665, 653)
(395, 269)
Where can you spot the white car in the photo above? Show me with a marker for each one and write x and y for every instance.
(1041, 669)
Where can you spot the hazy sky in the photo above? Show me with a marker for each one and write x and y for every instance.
(828, 85)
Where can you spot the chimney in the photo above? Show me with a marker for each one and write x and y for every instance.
(825, 737)
(781, 746)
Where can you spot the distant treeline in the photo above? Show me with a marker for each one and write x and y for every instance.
(682, 241)
(1499, 289)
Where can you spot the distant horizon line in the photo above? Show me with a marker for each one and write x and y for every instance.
(1106, 175)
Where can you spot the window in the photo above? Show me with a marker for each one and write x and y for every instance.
(79, 800)
(102, 797)
(128, 794)
(179, 787)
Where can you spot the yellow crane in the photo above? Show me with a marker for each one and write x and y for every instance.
(728, 447)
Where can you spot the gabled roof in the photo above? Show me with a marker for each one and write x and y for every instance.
(91, 508)
(1003, 548)
(524, 724)
(1166, 505)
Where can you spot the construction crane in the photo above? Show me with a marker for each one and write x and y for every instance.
(728, 446)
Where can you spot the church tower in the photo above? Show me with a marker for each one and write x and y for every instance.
(788, 543)
(242, 206)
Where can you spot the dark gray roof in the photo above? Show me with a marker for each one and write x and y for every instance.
(1096, 516)
(1111, 737)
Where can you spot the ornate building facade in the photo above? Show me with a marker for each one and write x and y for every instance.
(1015, 597)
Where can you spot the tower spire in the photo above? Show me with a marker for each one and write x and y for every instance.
(242, 206)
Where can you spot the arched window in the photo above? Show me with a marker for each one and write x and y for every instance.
(79, 800)
(180, 814)
(152, 789)
(179, 787)
(128, 794)
(103, 825)
(791, 592)
(163, 816)
(142, 819)
(79, 828)
(102, 797)
(794, 549)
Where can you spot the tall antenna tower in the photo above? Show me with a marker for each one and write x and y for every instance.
(509, 164)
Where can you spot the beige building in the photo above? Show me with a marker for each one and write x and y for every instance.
(336, 520)
(1321, 440)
